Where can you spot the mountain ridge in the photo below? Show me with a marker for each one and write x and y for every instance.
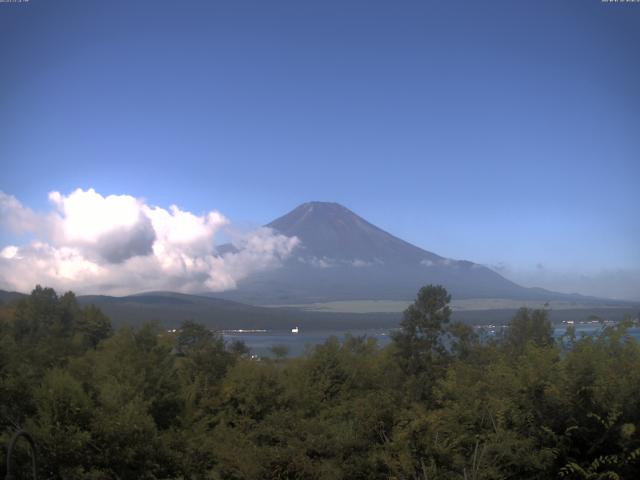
(342, 256)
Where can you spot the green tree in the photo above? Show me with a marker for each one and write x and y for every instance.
(36, 314)
(94, 326)
(530, 326)
(419, 343)
(203, 363)
(280, 351)
(61, 425)
(463, 339)
(193, 336)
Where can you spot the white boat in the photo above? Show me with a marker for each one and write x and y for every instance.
(295, 330)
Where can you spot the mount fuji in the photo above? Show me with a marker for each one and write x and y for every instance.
(341, 256)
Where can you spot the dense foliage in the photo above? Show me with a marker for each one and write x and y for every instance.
(435, 404)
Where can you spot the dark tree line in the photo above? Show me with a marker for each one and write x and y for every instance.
(437, 403)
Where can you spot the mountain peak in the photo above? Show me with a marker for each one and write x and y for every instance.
(330, 230)
(320, 207)
(312, 213)
(319, 204)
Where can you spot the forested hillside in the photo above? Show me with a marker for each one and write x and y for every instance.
(435, 404)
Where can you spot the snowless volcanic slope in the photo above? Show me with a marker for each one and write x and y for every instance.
(343, 257)
(335, 232)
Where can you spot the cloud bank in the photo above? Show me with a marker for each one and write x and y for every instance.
(118, 244)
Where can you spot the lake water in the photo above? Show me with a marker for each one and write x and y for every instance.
(260, 343)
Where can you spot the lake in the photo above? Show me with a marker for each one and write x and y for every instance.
(260, 343)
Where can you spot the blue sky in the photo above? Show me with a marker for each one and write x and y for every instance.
(507, 133)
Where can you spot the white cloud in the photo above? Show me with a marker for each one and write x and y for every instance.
(112, 228)
(15, 217)
(9, 252)
(118, 245)
(259, 250)
(327, 262)
(183, 231)
(440, 262)
(324, 262)
(360, 263)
